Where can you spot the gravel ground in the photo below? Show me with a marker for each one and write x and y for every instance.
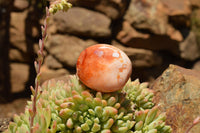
(7, 110)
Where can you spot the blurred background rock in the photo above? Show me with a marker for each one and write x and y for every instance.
(153, 33)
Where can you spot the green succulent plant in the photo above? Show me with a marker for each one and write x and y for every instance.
(150, 121)
(71, 107)
(139, 94)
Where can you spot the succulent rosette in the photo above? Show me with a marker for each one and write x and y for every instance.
(139, 94)
(69, 106)
(80, 110)
(72, 108)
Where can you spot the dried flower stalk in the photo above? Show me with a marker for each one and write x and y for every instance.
(38, 65)
(54, 7)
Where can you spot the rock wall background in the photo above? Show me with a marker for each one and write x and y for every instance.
(153, 33)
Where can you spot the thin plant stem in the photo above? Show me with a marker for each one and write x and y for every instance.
(54, 7)
(38, 65)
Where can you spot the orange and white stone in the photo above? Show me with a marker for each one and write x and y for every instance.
(104, 68)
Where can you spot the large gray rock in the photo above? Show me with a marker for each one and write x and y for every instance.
(66, 49)
(147, 15)
(112, 8)
(177, 91)
(83, 22)
(52, 63)
(50, 73)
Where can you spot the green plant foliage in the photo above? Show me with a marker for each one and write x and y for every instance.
(139, 94)
(70, 107)
(150, 121)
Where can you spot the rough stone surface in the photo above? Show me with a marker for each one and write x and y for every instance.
(196, 66)
(17, 30)
(50, 73)
(140, 57)
(174, 34)
(18, 56)
(131, 37)
(195, 3)
(20, 5)
(195, 25)
(128, 33)
(83, 22)
(189, 48)
(19, 76)
(147, 15)
(52, 63)
(112, 8)
(176, 7)
(66, 48)
(177, 91)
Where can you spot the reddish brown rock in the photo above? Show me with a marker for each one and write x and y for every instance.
(174, 34)
(128, 32)
(147, 15)
(177, 91)
(195, 3)
(83, 22)
(176, 7)
(131, 37)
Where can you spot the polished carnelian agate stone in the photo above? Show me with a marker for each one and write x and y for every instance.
(104, 68)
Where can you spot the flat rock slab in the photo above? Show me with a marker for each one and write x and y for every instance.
(114, 9)
(177, 91)
(83, 22)
(66, 49)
